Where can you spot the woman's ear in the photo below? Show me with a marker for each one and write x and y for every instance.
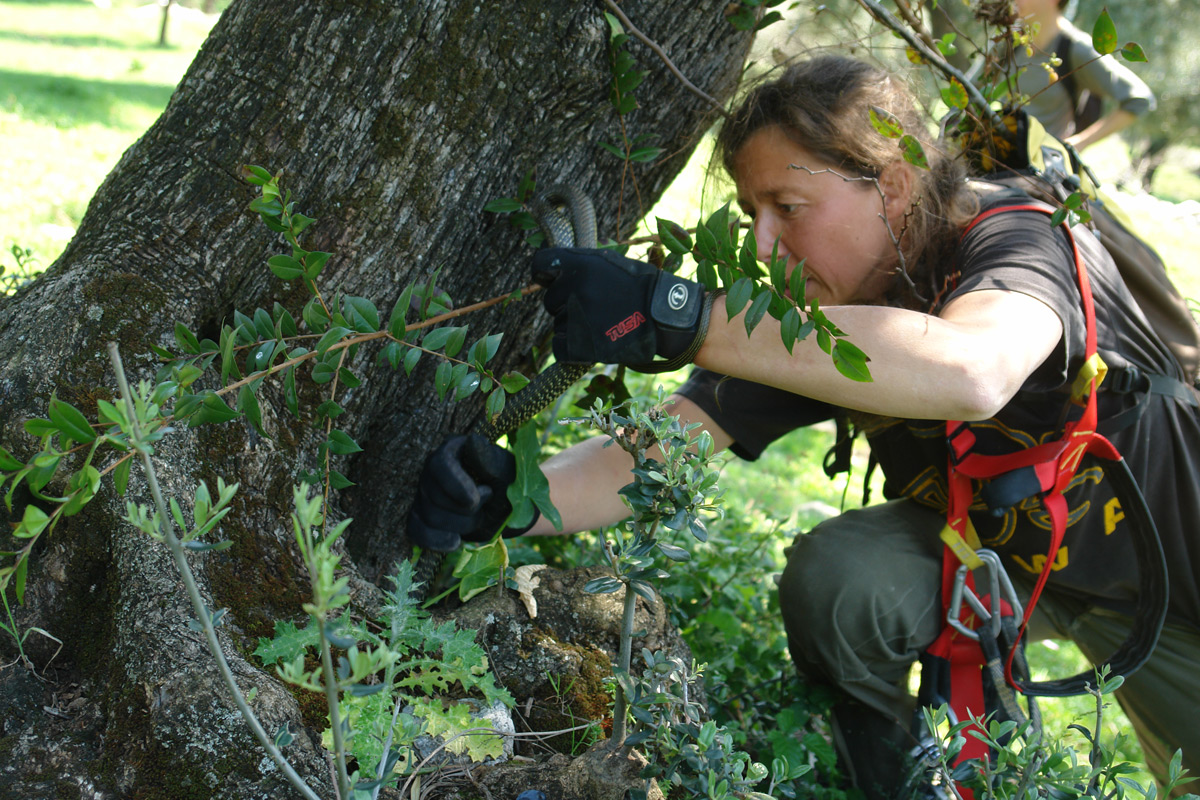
(897, 182)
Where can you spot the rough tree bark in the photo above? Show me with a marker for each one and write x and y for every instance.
(394, 122)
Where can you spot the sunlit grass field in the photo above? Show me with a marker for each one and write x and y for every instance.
(79, 83)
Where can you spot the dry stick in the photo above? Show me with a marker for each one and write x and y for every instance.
(644, 39)
(189, 582)
(933, 57)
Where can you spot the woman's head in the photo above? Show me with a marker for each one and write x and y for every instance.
(823, 107)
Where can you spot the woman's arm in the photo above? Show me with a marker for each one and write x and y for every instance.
(965, 364)
(584, 479)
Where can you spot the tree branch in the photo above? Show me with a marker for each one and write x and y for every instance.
(933, 57)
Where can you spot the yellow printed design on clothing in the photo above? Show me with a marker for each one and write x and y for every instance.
(1038, 562)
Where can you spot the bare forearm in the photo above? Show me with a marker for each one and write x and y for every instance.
(924, 367)
(1119, 120)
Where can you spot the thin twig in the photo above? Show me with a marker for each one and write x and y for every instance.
(644, 39)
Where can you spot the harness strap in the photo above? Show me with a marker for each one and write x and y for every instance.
(1047, 470)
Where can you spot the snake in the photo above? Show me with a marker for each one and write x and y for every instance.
(566, 218)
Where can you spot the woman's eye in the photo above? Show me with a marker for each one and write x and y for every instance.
(788, 208)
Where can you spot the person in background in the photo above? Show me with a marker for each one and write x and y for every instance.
(1124, 97)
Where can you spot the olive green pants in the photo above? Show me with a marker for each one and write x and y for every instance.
(860, 602)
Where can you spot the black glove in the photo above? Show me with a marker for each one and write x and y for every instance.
(616, 310)
(462, 494)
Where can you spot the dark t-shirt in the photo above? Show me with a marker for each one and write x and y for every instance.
(1020, 251)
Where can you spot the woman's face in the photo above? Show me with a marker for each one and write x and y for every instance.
(832, 224)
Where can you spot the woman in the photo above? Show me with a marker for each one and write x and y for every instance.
(984, 326)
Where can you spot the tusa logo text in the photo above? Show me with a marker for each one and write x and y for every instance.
(630, 323)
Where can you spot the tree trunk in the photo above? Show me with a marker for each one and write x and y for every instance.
(393, 124)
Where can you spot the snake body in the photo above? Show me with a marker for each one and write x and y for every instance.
(567, 219)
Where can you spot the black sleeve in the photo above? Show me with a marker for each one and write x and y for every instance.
(753, 414)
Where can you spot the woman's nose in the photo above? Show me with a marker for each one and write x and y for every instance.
(766, 233)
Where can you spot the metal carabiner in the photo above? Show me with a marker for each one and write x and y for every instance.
(1000, 587)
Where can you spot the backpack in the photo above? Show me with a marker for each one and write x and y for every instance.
(1086, 105)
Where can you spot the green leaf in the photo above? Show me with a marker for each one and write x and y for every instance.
(757, 310)
(81, 488)
(485, 349)
(212, 409)
(264, 326)
(322, 372)
(339, 481)
(247, 403)
(331, 337)
(121, 476)
(285, 267)
(291, 398)
(913, 152)
(503, 205)
(789, 328)
(70, 421)
(348, 378)
(438, 338)
(886, 123)
(455, 343)
(441, 379)
(739, 295)
(1104, 34)
(478, 567)
(531, 487)
(602, 586)
(411, 358)
(288, 642)
(8, 463)
(955, 95)
(363, 315)
(228, 365)
(495, 402)
(396, 322)
(40, 427)
(32, 523)
(186, 340)
(255, 175)
(645, 154)
(748, 256)
(314, 263)
(513, 382)
(1133, 52)
(851, 361)
(341, 444)
(674, 237)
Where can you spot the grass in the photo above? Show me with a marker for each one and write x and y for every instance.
(79, 83)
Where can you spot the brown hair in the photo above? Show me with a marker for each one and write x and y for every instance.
(823, 104)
